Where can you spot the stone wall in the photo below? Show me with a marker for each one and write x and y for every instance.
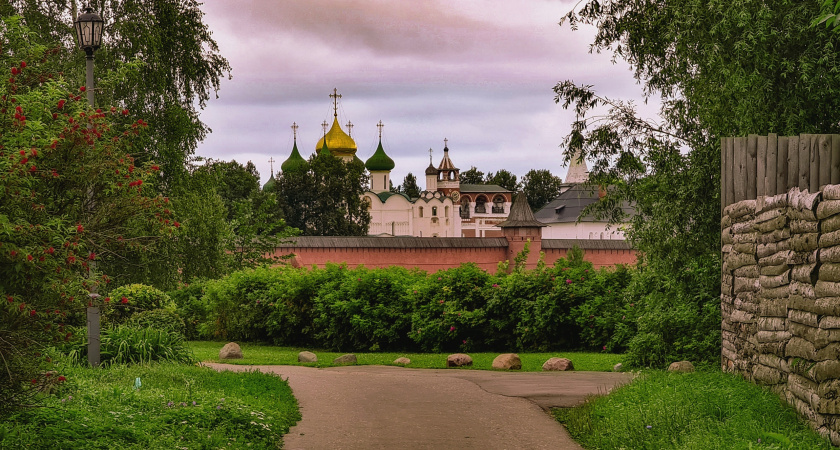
(780, 299)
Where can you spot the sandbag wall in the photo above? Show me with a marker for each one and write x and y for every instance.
(780, 299)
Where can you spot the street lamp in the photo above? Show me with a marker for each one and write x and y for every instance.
(89, 32)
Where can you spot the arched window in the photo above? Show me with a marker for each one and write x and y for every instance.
(445, 211)
(434, 211)
(499, 204)
(465, 207)
(479, 204)
(421, 211)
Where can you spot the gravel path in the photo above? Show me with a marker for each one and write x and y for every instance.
(383, 407)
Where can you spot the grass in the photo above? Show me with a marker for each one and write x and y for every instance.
(701, 410)
(255, 354)
(176, 407)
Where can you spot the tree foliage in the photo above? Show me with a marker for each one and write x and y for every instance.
(721, 69)
(540, 187)
(409, 186)
(326, 198)
(504, 179)
(472, 176)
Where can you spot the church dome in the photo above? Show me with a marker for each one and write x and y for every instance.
(339, 143)
(431, 170)
(295, 162)
(379, 160)
(269, 185)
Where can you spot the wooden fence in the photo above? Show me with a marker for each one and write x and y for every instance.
(756, 166)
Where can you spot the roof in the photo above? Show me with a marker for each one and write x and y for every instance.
(269, 185)
(431, 170)
(391, 242)
(482, 188)
(446, 163)
(383, 196)
(337, 140)
(520, 215)
(379, 160)
(587, 244)
(569, 205)
(295, 161)
(578, 172)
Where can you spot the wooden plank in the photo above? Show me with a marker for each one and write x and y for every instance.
(814, 162)
(824, 147)
(770, 169)
(835, 159)
(752, 163)
(730, 170)
(740, 174)
(803, 156)
(793, 162)
(722, 174)
(761, 166)
(782, 165)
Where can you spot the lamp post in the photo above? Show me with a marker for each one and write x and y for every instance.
(89, 33)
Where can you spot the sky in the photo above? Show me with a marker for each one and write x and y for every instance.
(478, 73)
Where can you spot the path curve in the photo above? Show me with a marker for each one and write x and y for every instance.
(385, 407)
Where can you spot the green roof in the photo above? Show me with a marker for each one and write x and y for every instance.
(379, 160)
(269, 185)
(325, 150)
(482, 188)
(383, 196)
(295, 162)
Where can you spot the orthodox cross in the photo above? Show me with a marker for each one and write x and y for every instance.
(380, 125)
(445, 143)
(349, 128)
(271, 161)
(294, 129)
(430, 156)
(335, 96)
(324, 126)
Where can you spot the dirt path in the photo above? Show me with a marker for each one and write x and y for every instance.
(382, 407)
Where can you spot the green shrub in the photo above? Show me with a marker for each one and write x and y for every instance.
(161, 319)
(133, 298)
(363, 309)
(130, 345)
(192, 306)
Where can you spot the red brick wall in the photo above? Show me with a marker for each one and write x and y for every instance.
(428, 259)
(598, 258)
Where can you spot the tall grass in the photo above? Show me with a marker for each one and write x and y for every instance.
(702, 410)
(131, 345)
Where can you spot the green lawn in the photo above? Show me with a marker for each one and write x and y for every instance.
(697, 411)
(177, 406)
(269, 355)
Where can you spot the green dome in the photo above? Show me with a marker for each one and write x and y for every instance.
(379, 160)
(269, 185)
(325, 150)
(295, 162)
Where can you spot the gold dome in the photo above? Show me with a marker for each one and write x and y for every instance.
(339, 143)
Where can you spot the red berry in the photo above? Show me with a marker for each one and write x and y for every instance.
(82, 88)
(22, 64)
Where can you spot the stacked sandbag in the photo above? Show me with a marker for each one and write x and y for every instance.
(727, 297)
(738, 324)
(774, 278)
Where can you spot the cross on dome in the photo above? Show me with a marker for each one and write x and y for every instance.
(430, 155)
(271, 161)
(294, 129)
(380, 125)
(445, 143)
(335, 96)
(324, 126)
(350, 128)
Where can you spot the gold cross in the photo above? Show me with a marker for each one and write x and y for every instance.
(324, 126)
(349, 128)
(294, 129)
(335, 96)
(380, 125)
(271, 161)
(445, 143)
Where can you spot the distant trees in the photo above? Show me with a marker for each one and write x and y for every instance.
(502, 178)
(325, 197)
(409, 186)
(540, 187)
(472, 176)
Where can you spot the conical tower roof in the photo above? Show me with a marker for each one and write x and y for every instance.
(578, 173)
(339, 142)
(379, 160)
(520, 214)
(446, 163)
(325, 150)
(295, 162)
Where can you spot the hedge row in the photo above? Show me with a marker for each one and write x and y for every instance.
(567, 305)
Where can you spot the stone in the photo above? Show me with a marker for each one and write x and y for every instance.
(458, 360)
(560, 364)
(402, 361)
(307, 357)
(618, 367)
(345, 359)
(231, 350)
(507, 361)
(681, 366)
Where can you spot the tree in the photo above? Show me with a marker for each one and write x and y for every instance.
(181, 66)
(540, 187)
(472, 176)
(409, 186)
(74, 200)
(722, 69)
(504, 179)
(325, 199)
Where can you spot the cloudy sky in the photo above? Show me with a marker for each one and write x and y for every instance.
(477, 72)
